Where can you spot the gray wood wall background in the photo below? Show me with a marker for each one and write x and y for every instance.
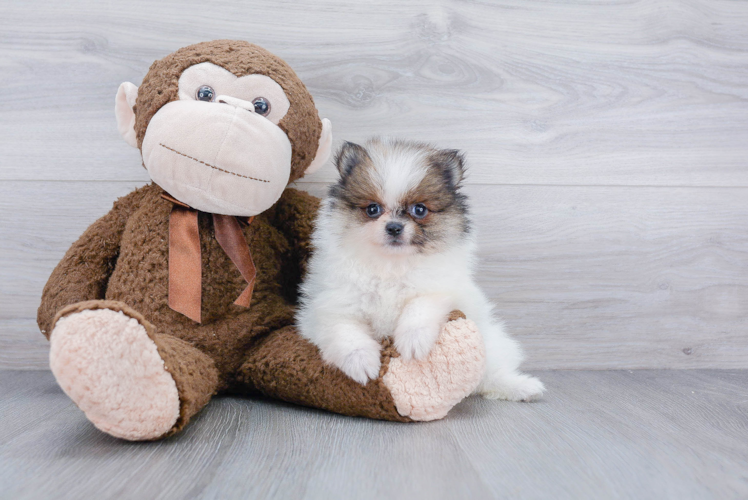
(607, 144)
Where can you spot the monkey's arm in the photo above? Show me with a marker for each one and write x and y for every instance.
(294, 215)
(84, 271)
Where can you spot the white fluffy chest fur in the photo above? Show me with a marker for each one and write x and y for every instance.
(377, 294)
(381, 300)
(349, 279)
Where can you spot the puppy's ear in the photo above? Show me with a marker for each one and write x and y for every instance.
(452, 164)
(348, 157)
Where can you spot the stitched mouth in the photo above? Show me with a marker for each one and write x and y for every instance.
(212, 166)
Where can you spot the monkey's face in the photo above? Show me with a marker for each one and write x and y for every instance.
(218, 146)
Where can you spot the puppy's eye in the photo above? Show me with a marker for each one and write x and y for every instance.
(262, 106)
(373, 210)
(205, 93)
(419, 210)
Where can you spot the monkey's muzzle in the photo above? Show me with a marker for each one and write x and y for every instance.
(217, 158)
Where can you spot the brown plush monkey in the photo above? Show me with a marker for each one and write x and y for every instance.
(185, 289)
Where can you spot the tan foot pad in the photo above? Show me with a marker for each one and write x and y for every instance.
(428, 389)
(109, 366)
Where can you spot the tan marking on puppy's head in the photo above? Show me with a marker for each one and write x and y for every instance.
(356, 188)
(402, 197)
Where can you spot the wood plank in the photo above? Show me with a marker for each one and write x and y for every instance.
(585, 277)
(22, 346)
(536, 92)
(615, 434)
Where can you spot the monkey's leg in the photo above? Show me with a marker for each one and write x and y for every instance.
(130, 381)
(288, 367)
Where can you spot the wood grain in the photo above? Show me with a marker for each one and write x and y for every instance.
(606, 141)
(606, 277)
(536, 92)
(604, 434)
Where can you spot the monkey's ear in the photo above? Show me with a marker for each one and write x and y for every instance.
(124, 105)
(324, 149)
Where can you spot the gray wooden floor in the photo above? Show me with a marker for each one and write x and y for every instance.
(656, 434)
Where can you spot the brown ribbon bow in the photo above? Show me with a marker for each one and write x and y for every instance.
(185, 264)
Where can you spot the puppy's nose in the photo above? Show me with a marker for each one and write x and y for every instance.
(394, 228)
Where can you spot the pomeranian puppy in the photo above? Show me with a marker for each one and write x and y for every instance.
(394, 254)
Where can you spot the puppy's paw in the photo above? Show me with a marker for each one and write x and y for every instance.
(513, 387)
(349, 346)
(361, 364)
(420, 324)
(415, 341)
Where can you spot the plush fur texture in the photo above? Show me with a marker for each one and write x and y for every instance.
(301, 124)
(122, 353)
(120, 263)
(453, 367)
(368, 281)
(106, 362)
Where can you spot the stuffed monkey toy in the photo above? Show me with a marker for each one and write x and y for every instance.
(186, 288)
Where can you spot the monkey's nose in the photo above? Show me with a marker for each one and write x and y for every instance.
(237, 103)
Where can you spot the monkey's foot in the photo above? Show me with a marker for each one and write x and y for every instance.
(428, 389)
(107, 364)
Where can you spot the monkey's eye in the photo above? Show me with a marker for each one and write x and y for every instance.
(262, 106)
(205, 93)
(374, 210)
(418, 210)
